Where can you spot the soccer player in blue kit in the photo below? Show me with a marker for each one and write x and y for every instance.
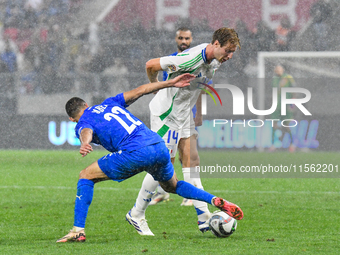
(133, 148)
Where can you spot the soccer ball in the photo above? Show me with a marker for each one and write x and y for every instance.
(221, 224)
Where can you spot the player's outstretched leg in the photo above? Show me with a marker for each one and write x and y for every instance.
(187, 190)
(229, 208)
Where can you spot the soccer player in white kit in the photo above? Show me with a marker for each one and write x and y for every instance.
(187, 147)
(171, 115)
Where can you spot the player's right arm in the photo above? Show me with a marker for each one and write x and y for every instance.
(153, 66)
(170, 64)
(85, 138)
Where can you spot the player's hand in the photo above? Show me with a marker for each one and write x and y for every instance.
(85, 148)
(183, 80)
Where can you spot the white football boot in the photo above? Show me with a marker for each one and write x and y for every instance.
(139, 224)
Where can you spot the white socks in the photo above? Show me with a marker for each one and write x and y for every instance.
(144, 197)
(148, 190)
(202, 210)
(160, 190)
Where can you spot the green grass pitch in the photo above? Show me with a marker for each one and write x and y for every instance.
(282, 215)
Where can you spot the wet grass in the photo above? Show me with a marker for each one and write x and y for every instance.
(282, 216)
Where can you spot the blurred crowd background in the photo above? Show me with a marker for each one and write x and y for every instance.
(47, 54)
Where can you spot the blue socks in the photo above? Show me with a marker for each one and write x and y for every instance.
(83, 201)
(85, 195)
(185, 189)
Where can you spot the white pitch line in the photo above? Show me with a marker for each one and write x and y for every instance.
(212, 191)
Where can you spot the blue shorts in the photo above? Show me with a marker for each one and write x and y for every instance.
(154, 159)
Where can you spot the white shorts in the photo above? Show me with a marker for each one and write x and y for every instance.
(171, 136)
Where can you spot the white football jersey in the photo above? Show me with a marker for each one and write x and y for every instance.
(173, 105)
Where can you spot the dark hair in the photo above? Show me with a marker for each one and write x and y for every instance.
(74, 105)
(224, 35)
(184, 29)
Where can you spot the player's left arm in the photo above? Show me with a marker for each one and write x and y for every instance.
(85, 138)
(179, 82)
(170, 64)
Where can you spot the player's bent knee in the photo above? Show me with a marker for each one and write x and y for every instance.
(83, 174)
(94, 173)
(170, 186)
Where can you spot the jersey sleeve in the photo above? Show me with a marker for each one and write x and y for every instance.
(169, 64)
(165, 74)
(172, 64)
(80, 126)
(118, 99)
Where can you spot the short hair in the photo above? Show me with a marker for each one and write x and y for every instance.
(226, 35)
(74, 106)
(184, 29)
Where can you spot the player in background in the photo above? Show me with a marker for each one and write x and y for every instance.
(133, 148)
(281, 80)
(183, 40)
(171, 115)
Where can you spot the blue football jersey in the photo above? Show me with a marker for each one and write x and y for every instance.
(114, 127)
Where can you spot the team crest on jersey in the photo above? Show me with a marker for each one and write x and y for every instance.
(172, 68)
